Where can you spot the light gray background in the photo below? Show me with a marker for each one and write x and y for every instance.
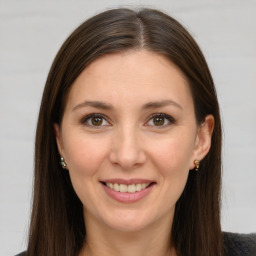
(31, 32)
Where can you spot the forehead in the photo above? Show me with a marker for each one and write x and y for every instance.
(130, 77)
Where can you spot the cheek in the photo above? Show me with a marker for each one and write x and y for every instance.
(172, 160)
(84, 158)
(173, 155)
(85, 155)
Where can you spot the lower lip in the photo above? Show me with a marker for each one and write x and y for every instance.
(127, 197)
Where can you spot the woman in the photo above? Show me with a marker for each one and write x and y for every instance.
(128, 145)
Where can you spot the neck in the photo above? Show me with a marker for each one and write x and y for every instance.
(151, 241)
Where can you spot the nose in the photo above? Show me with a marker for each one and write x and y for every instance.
(127, 150)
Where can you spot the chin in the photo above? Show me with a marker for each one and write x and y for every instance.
(128, 220)
(128, 227)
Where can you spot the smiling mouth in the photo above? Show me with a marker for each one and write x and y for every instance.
(131, 188)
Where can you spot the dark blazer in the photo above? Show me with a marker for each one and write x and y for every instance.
(234, 244)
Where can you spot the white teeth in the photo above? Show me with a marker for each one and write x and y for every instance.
(116, 187)
(123, 188)
(138, 187)
(131, 188)
(110, 185)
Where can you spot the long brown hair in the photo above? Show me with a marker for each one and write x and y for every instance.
(57, 225)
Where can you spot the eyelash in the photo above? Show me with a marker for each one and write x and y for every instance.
(93, 115)
(169, 118)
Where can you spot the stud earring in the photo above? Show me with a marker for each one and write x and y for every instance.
(197, 163)
(63, 163)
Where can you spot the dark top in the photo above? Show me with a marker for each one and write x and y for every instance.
(239, 244)
(234, 244)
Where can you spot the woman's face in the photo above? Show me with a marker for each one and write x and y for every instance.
(129, 137)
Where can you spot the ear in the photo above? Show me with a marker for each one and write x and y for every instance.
(57, 131)
(203, 140)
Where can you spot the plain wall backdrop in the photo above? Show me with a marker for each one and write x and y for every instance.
(31, 33)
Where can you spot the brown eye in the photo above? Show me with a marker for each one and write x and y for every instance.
(161, 120)
(158, 121)
(97, 121)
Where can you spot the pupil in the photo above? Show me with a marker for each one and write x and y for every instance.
(96, 121)
(158, 121)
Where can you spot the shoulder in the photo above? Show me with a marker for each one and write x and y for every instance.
(21, 254)
(239, 244)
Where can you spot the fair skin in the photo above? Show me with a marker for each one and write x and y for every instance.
(143, 130)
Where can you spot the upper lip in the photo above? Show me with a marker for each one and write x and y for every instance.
(127, 182)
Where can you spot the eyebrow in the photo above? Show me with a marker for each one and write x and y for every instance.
(95, 104)
(106, 106)
(158, 104)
